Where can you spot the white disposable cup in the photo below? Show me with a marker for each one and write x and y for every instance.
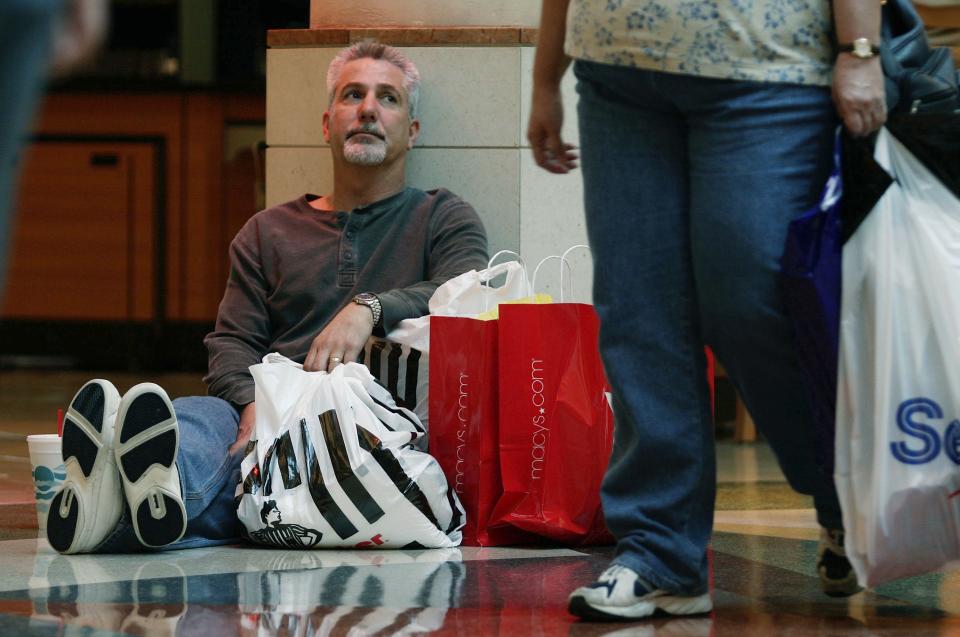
(48, 471)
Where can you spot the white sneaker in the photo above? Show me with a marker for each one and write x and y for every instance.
(620, 594)
(89, 505)
(146, 447)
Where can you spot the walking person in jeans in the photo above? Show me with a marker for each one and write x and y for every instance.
(704, 127)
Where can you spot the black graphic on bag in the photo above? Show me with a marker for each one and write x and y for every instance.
(276, 533)
(402, 371)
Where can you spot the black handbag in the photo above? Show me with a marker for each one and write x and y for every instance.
(918, 78)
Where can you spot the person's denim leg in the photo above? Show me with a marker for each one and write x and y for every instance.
(689, 185)
(759, 156)
(658, 492)
(208, 478)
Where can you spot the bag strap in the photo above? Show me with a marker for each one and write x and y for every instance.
(833, 190)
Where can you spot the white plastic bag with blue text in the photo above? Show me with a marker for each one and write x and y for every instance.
(898, 400)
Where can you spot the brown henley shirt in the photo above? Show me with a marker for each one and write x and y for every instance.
(293, 268)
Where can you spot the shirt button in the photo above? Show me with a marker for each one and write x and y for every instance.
(348, 256)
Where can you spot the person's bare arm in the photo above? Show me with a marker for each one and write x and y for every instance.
(858, 90)
(546, 108)
(248, 417)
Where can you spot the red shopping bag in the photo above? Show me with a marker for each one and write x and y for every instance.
(463, 422)
(556, 424)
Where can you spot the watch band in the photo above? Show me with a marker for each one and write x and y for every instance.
(372, 302)
(861, 47)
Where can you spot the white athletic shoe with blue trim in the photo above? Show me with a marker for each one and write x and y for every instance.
(619, 594)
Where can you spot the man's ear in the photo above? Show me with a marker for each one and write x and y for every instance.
(326, 126)
(414, 133)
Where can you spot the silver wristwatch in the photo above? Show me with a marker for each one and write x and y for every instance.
(371, 301)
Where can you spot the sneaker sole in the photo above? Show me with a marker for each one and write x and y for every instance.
(148, 439)
(87, 436)
(840, 588)
(664, 604)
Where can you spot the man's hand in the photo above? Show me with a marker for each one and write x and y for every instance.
(341, 340)
(546, 118)
(858, 94)
(245, 428)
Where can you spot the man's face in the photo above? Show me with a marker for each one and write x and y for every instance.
(368, 123)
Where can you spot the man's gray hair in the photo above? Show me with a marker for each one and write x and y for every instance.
(377, 51)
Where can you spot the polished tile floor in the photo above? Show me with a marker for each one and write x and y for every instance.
(763, 552)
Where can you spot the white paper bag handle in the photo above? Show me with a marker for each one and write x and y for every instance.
(564, 265)
(579, 246)
(536, 271)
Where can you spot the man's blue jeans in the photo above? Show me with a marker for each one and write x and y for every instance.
(690, 184)
(208, 478)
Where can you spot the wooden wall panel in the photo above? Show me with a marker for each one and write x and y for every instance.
(158, 115)
(196, 186)
(84, 239)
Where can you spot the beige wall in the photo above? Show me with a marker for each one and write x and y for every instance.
(390, 13)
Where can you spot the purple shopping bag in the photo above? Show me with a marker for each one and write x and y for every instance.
(811, 276)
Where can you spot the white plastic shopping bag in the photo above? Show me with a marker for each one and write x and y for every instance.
(333, 462)
(400, 362)
(898, 434)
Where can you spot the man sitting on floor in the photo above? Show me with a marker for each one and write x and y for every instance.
(311, 279)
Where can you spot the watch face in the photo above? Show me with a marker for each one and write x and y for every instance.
(862, 48)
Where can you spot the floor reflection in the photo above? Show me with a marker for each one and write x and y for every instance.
(446, 592)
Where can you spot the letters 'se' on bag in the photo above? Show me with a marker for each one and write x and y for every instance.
(333, 462)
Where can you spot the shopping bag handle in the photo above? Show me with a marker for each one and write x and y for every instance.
(536, 271)
(579, 246)
(564, 265)
(518, 258)
(493, 271)
(833, 191)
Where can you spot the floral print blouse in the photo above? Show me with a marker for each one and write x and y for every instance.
(760, 40)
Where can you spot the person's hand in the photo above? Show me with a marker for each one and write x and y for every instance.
(78, 35)
(245, 428)
(858, 94)
(543, 132)
(341, 340)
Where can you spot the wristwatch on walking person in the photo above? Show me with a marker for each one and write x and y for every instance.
(861, 48)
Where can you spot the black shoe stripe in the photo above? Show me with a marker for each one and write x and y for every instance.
(77, 444)
(161, 450)
(160, 532)
(61, 531)
(89, 403)
(145, 411)
(578, 606)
